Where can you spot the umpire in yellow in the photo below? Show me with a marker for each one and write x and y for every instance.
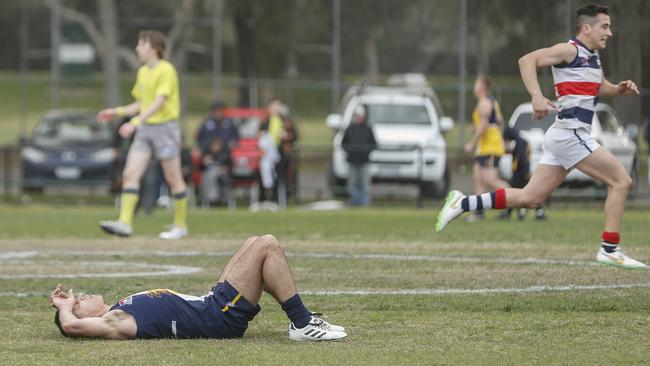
(157, 134)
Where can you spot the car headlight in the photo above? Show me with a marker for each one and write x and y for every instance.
(103, 156)
(32, 155)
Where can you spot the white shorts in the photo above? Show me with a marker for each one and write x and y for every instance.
(567, 146)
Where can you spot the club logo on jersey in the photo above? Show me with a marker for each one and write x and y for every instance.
(126, 301)
(160, 291)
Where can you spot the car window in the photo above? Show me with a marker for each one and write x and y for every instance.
(73, 129)
(525, 122)
(248, 127)
(397, 114)
(608, 121)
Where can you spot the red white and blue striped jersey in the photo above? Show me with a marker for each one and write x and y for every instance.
(577, 85)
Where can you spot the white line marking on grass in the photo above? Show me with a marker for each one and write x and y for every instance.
(430, 291)
(474, 291)
(161, 270)
(404, 257)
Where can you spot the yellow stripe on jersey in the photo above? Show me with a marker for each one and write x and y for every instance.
(231, 303)
(151, 82)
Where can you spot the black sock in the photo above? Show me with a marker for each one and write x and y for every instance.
(296, 311)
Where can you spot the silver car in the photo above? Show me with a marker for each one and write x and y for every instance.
(606, 128)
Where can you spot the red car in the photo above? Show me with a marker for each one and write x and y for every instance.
(245, 155)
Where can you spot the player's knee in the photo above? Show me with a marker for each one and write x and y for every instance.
(625, 183)
(269, 242)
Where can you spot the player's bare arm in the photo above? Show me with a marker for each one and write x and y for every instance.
(110, 113)
(484, 110)
(112, 325)
(127, 129)
(625, 87)
(544, 57)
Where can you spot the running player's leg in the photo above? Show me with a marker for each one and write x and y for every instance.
(603, 166)
(546, 178)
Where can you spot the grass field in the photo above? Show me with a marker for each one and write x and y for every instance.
(503, 293)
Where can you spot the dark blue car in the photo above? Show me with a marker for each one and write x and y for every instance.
(68, 147)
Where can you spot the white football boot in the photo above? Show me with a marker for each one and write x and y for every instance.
(316, 330)
(176, 232)
(117, 227)
(450, 210)
(618, 259)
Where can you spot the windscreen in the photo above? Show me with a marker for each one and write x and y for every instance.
(398, 114)
(66, 130)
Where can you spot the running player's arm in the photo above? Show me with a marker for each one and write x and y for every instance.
(543, 57)
(626, 87)
(484, 111)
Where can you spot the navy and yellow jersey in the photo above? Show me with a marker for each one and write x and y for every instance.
(164, 313)
(490, 142)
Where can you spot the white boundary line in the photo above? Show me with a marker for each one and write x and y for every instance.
(379, 256)
(165, 270)
(429, 291)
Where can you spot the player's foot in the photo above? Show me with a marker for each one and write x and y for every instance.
(521, 213)
(316, 330)
(117, 227)
(618, 259)
(175, 232)
(334, 327)
(505, 215)
(450, 210)
(540, 214)
(475, 217)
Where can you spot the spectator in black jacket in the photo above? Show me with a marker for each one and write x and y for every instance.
(358, 142)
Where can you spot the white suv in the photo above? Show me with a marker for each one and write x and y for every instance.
(408, 125)
(606, 128)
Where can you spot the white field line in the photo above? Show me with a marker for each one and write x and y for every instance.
(473, 291)
(429, 291)
(160, 270)
(403, 257)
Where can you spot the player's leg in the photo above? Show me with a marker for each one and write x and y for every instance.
(260, 264)
(174, 177)
(604, 166)
(477, 174)
(546, 178)
(137, 162)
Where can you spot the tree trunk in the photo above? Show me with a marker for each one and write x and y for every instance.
(244, 29)
(110, 59)
(372, 55)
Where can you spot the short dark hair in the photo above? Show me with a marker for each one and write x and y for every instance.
(156, 39)
(57, 321)
(216, 105)
(585, 14)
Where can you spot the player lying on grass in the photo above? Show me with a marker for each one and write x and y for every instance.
(259, 264)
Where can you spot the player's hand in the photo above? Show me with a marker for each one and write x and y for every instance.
(541, 106)
(627, 87)
(106, 114)
(468, 148)
(126, 130)
(62, 300)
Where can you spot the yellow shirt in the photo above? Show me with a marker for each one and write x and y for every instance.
(275, 128)
(151, 82)
(491, 141)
